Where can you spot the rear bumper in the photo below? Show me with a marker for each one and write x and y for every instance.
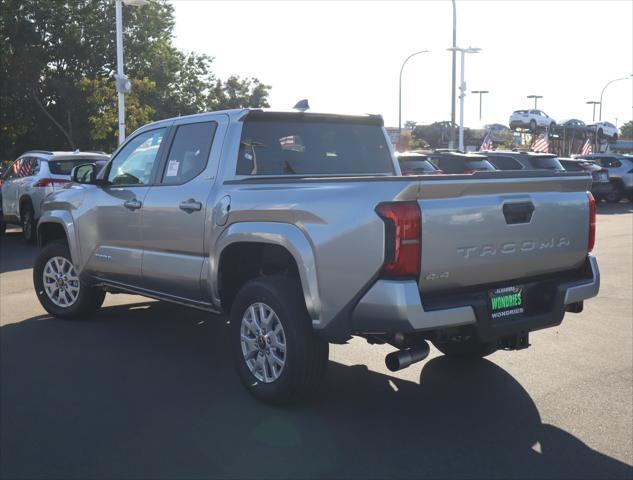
(392, 306)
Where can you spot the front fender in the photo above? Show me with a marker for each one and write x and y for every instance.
(65, 219)
(283, 234)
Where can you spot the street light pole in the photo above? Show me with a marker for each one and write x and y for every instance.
(119, 68)
(604, 88)
(123, 85)
(535, 97)
(400, 93)
(480, 92)
(462, 88)
(594, 103)
(451, 143)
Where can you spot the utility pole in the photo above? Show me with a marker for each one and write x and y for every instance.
(123, 84)
(451, 142)
(605, 87)
(594, 103)
(400, 95)
(535, 97)
(480, 92)
(462, 88)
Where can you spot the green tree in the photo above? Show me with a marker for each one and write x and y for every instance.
(626, 130)
(57, 64)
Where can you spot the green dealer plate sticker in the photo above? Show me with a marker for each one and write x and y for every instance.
(506, 302)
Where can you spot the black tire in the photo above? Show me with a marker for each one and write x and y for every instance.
(27, 219)
(3, 228)
(89, 299)
(615, 194)
(532, 125)
(306, 355)
(467, 349)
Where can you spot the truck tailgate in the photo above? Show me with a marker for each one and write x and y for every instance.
(481, 231)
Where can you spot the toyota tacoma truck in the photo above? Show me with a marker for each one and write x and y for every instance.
(298, 226)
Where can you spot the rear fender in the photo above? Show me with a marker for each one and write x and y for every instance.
(285, 235)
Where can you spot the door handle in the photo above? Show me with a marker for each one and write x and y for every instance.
(191, 205)
(133, 204)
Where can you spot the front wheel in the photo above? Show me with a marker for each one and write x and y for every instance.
(468, 348)
(58, 287)
(278, 356)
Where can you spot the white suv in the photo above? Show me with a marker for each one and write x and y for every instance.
(604, 130)
(531, 119)
(31, 178)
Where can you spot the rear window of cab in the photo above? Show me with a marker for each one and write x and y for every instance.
(308, 147)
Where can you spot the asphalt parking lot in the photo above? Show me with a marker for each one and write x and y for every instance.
(147, 390)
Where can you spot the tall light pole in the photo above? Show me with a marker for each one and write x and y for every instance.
(604, 88)
(462, 89)
(480, 92)
(594, 103)
(535, 97)
(451, 142)
(400, 93)
(123, 85)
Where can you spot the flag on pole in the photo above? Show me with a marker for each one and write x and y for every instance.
(541, 144)
(586, 148)
(487, 143)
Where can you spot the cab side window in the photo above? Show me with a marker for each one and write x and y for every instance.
(189, 152)
(134, 164)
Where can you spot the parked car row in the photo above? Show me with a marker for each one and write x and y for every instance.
(33, 176)
(612, 174)
(535, 120)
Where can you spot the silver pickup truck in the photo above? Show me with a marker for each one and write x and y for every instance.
(299, 226)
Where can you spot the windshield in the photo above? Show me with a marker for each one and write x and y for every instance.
(312, 148)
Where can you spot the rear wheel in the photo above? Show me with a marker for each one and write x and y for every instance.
(533, 125)
(58, 287)
(615, 194)
(471, 347)
(28, 222)
(278, 356)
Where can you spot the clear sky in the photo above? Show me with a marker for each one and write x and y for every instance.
(346, 56)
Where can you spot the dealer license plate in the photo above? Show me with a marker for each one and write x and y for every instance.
(506, 302)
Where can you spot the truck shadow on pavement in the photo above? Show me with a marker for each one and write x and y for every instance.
(605, 208)
(147, 390)
(15, 253)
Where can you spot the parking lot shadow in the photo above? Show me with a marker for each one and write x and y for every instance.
(605, 208)
(147, 390)
(15, 253)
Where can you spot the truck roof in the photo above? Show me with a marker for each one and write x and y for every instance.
(239, 114)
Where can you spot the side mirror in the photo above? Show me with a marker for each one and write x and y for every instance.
(86, 173)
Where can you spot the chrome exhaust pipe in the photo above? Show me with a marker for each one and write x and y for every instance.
(403, 358)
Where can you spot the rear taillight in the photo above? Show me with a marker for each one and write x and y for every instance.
(592, 222)
(45, 182)
(402, 238)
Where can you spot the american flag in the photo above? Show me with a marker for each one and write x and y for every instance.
(487, 143)
(586, 148)
(541, 144)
